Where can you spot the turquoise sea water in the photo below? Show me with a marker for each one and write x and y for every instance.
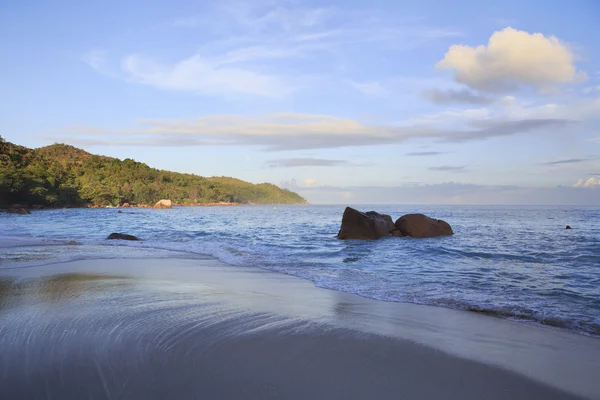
(513, 262)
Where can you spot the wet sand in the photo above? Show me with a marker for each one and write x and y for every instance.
(198, 329)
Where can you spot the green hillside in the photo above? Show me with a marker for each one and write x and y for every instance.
(61, 175)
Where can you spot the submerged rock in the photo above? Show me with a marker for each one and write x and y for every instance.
(359, 225)
(422, 226)
(164, 204)
(20, 211)
(121, 236)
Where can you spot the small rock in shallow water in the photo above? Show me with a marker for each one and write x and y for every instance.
(121, 236)
(20, 211)
(568, 227)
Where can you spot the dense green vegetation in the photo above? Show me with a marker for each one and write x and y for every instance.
(61, 175)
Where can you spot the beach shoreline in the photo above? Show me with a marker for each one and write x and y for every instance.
(260, 334)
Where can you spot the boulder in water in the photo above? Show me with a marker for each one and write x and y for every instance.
(422, 226)
(164, 204)
(121, 236)
(359, 225)
(568, 227)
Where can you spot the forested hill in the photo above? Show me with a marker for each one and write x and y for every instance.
(61, 175)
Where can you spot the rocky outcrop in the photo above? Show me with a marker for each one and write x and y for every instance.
(568, 227)
(370, 225)
(422, 226)
(20, 211)
(121, 236)
(164, 204)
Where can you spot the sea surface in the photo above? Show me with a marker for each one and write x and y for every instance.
(512, 262)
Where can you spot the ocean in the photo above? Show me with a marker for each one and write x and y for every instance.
(512, 262)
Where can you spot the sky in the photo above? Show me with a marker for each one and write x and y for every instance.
(433, 102)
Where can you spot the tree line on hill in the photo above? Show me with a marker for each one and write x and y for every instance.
(61, 175)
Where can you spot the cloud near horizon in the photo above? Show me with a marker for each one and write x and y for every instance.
(449, 193)
(513, 58)
(448, 168)
(291, 131)
(424, 153)
(593, 182)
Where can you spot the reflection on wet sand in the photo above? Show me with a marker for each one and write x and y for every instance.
(56, 288)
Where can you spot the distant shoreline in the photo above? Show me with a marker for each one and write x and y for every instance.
(145, 206)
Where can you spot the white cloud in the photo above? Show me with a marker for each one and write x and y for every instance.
(292, 131)
(513, 58)
(593, 182)
(196, 74)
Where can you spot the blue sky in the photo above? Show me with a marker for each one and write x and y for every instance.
(343, 102)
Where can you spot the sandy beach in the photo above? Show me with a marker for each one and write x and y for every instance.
(197, 328)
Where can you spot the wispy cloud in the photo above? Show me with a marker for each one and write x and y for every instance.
(375, 89)
(196, 74)
(442, 97)
(95, 58)
(306, 162)
(424, 153)
(290, 131)
(566, 161)
(448, 168)
(298, 41)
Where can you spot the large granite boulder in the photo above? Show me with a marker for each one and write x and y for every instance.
(20, 211)
(121, 236)
(422, 226)
(369, 225)
(164, 204)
